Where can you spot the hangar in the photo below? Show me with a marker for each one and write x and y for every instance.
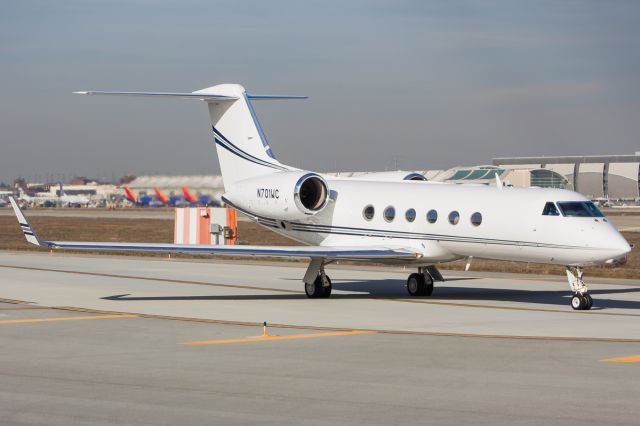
(596, 176)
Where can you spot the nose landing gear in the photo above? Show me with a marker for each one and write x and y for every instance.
(581, 300)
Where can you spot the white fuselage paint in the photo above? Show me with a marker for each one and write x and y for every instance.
(513, 227)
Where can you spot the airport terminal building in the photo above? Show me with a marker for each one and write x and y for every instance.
(614, 177)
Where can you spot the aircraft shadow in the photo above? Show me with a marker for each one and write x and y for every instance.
(395, 289)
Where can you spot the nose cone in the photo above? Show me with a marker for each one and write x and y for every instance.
(624, 247)
(620, 248)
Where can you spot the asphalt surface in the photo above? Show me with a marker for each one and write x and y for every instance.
(76, 349)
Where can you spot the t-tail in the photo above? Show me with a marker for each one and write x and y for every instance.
(243, 150)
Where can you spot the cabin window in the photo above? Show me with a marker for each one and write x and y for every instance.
(389, 214)
(432, 216)
(579, 209)
(454, 217)
(550, 210)
(476, 219)
(368, 212)
(410, 215)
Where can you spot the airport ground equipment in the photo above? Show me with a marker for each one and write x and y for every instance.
(205, 225)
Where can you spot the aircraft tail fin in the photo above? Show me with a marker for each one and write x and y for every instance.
(242, 147)
(130, 195)
(161, 196)
(188, 195)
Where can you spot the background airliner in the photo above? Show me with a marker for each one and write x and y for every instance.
(140, 200)
(62, 199)
(407, 222)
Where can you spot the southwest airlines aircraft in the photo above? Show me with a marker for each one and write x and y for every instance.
(389, 220)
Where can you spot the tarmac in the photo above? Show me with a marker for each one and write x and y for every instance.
(127, 340)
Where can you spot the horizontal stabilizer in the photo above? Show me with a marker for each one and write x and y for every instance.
(195, 95)
(203, 95)
(274, 97)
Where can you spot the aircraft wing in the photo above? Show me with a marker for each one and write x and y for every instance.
(337, 253)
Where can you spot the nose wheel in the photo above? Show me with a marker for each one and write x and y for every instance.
(581, 299)
(581, 302)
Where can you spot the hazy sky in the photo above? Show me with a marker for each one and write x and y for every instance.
(424, 84)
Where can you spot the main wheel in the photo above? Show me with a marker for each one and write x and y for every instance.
(326, 290)
(428, 285)
(588, 301)
(416, 285)
(316, 289)
(578, 302)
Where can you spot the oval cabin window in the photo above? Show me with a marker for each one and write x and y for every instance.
(476, 219)
(389, 214)
(454, 217)
(432, 216)
(368, 212)
(410, 215)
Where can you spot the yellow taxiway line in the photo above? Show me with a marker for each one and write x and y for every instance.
(91, 317)
(271, 338)
(635, 358)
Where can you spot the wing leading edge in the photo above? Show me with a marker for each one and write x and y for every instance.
(339, 253)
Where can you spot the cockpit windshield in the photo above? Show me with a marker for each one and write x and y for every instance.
(579, 209)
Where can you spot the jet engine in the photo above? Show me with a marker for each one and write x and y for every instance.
(282, 195)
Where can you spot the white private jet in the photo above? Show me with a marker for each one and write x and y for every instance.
(387, 221)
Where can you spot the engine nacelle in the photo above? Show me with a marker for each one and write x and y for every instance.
(283, 195)
(394, 176)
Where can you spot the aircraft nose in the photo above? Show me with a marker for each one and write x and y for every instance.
(624, 247)
(621, 248)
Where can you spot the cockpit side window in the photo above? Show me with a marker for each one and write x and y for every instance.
(550, 210)
(579, 209)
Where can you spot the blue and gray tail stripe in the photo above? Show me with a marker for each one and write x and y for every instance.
(225, 143)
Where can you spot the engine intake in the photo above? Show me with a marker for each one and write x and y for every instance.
(311, 193)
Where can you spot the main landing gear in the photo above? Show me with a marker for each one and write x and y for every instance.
(420, 283)
(581, 299)
(317, 284)
(319, 288)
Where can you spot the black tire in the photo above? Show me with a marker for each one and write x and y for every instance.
(578, 302)
(588, 300)
(428, 285)
(314, 290)
(326, 291)
(416, 285)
